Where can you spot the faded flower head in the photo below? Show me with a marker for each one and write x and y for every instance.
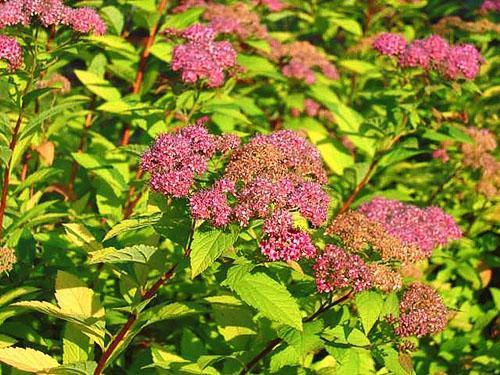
(235, 19)
(282, 154)
(51, 12)
(201, 57)
(422, 312)
(11, 51)
(357, 231)
(426, 228)
(7, 259)
(385, 278)
(268, 178)
(64, 84)
(300, 59)
(479, 155)
(335, 269)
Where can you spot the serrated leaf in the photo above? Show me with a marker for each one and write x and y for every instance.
(136, 254)
(28, 360)
(76, 345)
(74, 297)
(369, 304)
(269, 297)
(207, 246)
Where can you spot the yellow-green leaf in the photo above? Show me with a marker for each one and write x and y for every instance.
(28, 360)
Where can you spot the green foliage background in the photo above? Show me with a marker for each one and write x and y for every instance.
(91, 238)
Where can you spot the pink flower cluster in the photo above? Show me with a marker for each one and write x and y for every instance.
(268, 178)
(422, 312)
(51, 12)
(490, 6)
(432, 53)
(174, 160)
(11, 51)
(336, 269)
(426, 228)
(201, 57)
(272, 5)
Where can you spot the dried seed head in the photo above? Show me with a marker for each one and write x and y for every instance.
(7, 259)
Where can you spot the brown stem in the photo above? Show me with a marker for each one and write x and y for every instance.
(360, 186)
(6, 174)
(136, 88)
(275, 342)
(120, 336)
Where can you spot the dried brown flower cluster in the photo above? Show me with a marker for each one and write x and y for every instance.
(385, 278)
(300, 58)
(63, 85)
(357, 232)
(478, 155)
(273, 159)
(446, 24)
(236, 18)
(7, 259)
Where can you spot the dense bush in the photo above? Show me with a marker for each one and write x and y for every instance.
(262, 186)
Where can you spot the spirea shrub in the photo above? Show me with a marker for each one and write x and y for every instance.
(235, 187)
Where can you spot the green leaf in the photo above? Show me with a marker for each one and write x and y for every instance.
(6, 341)
(99, 86)
(76, 345)
(14, 293)
(133, 224)
(369, 304)
(269, 297)
(304, 342)
(28, 360)
(79, 235)
(74, 297)
(207, 246)
(137, 254)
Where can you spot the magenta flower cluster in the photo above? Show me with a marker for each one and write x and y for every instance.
(426, 228)
(51, 12)
(490, 6)
(336, 269)
(432, 53)
(201, 57)
(292, 180)
(174, 160)
(272, 5)
(422, 312)
(11, 51)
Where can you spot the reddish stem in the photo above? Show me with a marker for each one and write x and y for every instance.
(6, 174)
(359, 186)
(275, 342)
(136, 88)
(120, 336)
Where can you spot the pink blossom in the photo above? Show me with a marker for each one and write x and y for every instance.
(415, 55)
(464, 60)
(51, 12)
(490, 6)
(311, 107)
(175, 159)
(213, 204)
(11, 51)
(422, 312)
(312, 202)
(201, 57)
(390, 44)
(426, 228)
(437, 48)
(272, 5)
(441, 154)
(288, 246)
(335, 269)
